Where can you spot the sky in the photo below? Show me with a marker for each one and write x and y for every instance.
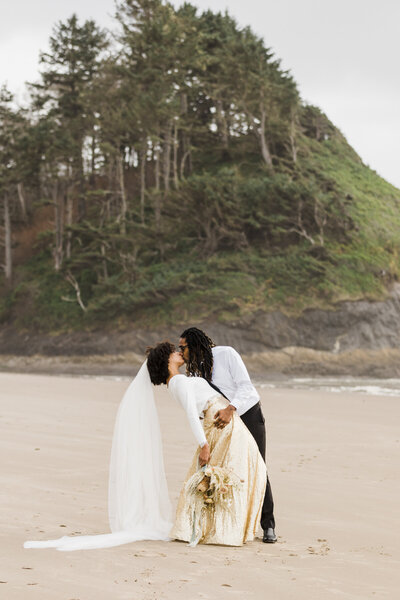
(343, 54)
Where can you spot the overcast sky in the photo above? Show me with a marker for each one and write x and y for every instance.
(344, 55)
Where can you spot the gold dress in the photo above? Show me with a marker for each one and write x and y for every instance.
(233, 450)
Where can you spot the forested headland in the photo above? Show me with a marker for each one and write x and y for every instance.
(168, 172)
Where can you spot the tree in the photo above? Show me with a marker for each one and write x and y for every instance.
(158, 51)
(11, 131)
(64, 93)
(63, 104)
(266, 94)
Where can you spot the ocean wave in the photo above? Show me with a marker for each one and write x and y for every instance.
(373, 387)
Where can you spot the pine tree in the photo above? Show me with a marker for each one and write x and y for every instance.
(64, 94)
(12, 126)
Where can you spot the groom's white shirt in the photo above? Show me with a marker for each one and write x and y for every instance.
(230, 375)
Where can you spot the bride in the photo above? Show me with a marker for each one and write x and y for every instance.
(221, 498)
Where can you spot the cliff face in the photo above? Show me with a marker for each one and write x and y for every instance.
(350, 326)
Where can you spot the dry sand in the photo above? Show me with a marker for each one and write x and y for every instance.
(333, 463)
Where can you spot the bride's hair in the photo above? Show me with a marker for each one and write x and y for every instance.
(157, 362)
(200, 355)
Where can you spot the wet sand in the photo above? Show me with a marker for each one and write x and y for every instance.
(334, 467)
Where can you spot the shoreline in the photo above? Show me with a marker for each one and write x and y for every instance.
(291, 361)
(269, 382)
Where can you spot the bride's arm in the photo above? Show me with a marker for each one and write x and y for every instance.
(185, 394)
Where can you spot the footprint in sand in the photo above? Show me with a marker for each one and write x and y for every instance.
(149, 554)
(322, 550)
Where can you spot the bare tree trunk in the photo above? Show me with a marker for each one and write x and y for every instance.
(157, 209)
(142, 158)
(190, 162)
(104, 262)
(175, 162)
(260, 132)
(59, 226)
(111, 194)
(103, 245)
(7, 241)
(120, 167)
(318, 129)
(186, 144)
(167, 155)
(20, 189)
(222, 124)
(80, 178)
(157, 165)
(183, 161)
(71, 279)
(292, 138)
(299, 227)
(157, 205)
(69, 203)
(321, 219)
(93, 155)
(264, 145)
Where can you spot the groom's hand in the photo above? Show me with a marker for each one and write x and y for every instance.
(223, 417)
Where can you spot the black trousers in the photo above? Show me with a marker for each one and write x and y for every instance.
(255, 423)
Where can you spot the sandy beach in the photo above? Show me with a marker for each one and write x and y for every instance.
(333, 464)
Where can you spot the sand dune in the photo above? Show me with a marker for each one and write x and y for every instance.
(334, 468)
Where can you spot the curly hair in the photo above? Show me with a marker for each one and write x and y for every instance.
(157, 362)
(200, 361)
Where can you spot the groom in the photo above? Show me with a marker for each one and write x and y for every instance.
(224, 369)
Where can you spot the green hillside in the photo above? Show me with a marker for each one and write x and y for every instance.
(175, 174)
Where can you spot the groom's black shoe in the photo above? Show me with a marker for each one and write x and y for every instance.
(269, 536)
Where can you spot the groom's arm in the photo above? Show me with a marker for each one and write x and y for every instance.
(244, 389)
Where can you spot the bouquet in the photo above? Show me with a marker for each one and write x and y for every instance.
(211, 487)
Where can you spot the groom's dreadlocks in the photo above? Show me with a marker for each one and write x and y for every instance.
(200, 355)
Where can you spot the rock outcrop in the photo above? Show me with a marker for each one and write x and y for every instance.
(357, 338)
(348, 326)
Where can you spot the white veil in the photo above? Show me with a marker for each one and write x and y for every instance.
(138, 502)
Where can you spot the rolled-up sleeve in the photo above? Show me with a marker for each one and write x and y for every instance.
(244, 388)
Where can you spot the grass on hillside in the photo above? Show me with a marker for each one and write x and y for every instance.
(231, 284)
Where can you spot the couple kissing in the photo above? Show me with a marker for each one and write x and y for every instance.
(226, 492)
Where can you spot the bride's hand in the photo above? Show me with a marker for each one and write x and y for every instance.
(204, 455)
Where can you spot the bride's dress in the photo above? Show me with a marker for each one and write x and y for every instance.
(234, 452)
(139, 505)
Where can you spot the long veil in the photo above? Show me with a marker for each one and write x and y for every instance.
(138, 502)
